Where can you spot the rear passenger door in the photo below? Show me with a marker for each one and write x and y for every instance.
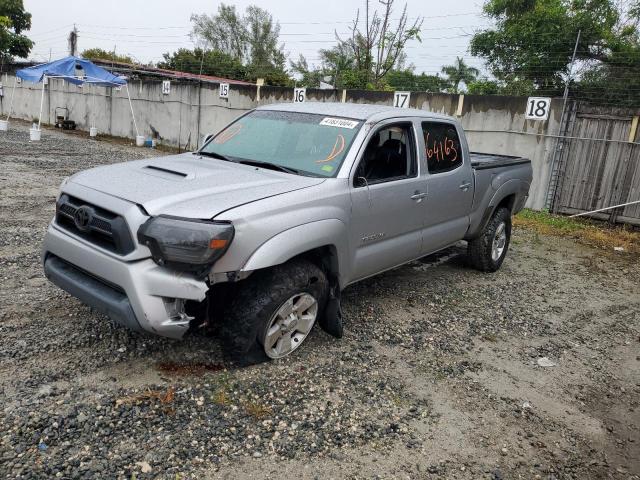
(449, 183)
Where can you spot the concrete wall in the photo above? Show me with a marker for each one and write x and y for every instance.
(494, 124)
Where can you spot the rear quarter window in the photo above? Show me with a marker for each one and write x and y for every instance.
(442, 147)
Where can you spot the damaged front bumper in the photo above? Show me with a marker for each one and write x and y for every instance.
(138, 294)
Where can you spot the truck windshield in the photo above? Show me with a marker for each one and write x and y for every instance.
(308, 143)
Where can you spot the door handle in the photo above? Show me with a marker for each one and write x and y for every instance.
(418, 195)
(465, 186)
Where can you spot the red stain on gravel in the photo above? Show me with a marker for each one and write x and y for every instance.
(188, 369)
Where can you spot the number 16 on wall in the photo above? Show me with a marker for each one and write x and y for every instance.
(538, 108)
(299, 95)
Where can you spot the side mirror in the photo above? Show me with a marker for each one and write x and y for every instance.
(359, 182)
(207, 138)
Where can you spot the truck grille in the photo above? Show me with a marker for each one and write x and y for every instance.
(94, 224)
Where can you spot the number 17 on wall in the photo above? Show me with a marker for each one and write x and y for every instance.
(401, 99)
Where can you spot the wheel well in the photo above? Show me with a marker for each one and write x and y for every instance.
(508, 202)
(326, 258)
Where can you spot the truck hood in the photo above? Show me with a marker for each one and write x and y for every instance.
(188, 185)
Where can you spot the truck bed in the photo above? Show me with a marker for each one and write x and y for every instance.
(482, 161)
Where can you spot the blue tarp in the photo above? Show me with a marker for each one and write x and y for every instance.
(74, 70)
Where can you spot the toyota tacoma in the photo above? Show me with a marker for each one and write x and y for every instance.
(257, 232)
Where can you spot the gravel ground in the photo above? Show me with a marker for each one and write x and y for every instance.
(438, 375)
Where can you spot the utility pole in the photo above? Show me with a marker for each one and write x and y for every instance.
(552, 187)
(73, 41)
(199, 101)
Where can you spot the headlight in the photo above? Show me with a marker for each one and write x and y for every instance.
(185, 244)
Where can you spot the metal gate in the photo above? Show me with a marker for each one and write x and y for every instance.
(599, 164)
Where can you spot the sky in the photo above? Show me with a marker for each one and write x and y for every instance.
(146, 29)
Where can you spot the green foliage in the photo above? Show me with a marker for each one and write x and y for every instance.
(100, 54)
(310, 77)
(409, 81)
(214, 63)
(379, 47)
(459, 73)
(530, 47)
(225, 32)
(249, 42)
(13, 21)
(483, 87)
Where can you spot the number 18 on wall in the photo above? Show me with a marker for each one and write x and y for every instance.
(538, 108)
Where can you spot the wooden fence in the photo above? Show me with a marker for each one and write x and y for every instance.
(598, 163)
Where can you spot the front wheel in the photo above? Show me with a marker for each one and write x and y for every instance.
(486, 253)
(274, 312)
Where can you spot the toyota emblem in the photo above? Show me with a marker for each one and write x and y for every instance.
(82, 218)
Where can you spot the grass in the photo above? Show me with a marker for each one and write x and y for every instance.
(258, 410)
(221, 395)
(221, 398)
(584, 231)
(149, 396)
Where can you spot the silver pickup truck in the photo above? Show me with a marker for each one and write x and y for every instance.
(258, 232)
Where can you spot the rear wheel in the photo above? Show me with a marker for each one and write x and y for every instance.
(487, 252)
(274, 312)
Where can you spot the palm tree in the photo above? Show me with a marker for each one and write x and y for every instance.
(458, 73)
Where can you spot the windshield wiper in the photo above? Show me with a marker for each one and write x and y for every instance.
(272, 166)
(219, 156)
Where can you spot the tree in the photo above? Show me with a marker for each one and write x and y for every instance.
(531, 45)
(459, 73)
(213, 62)
(336, 63)
(251, 39)
(377, 48)
(310, 77)
(373, 51)
(100, 54)
(407, 80)
(13, 21)
(483, 87)
(225, 32)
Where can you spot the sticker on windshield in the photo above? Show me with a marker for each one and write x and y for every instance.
(327, 168)
(339, 122)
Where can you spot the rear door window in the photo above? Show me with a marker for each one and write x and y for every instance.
(442, 147)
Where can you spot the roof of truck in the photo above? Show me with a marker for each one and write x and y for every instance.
(358, 111)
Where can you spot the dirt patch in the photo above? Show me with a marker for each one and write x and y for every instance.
(437, 375)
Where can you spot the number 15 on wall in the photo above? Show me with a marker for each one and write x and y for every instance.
(538, 108)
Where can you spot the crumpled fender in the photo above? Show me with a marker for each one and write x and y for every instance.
(302, 238)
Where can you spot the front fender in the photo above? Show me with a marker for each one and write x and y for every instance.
(303, 238)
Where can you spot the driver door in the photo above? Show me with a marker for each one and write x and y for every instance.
(387, 192)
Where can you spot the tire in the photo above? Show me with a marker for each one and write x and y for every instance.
(256, 310)
(482, 253)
